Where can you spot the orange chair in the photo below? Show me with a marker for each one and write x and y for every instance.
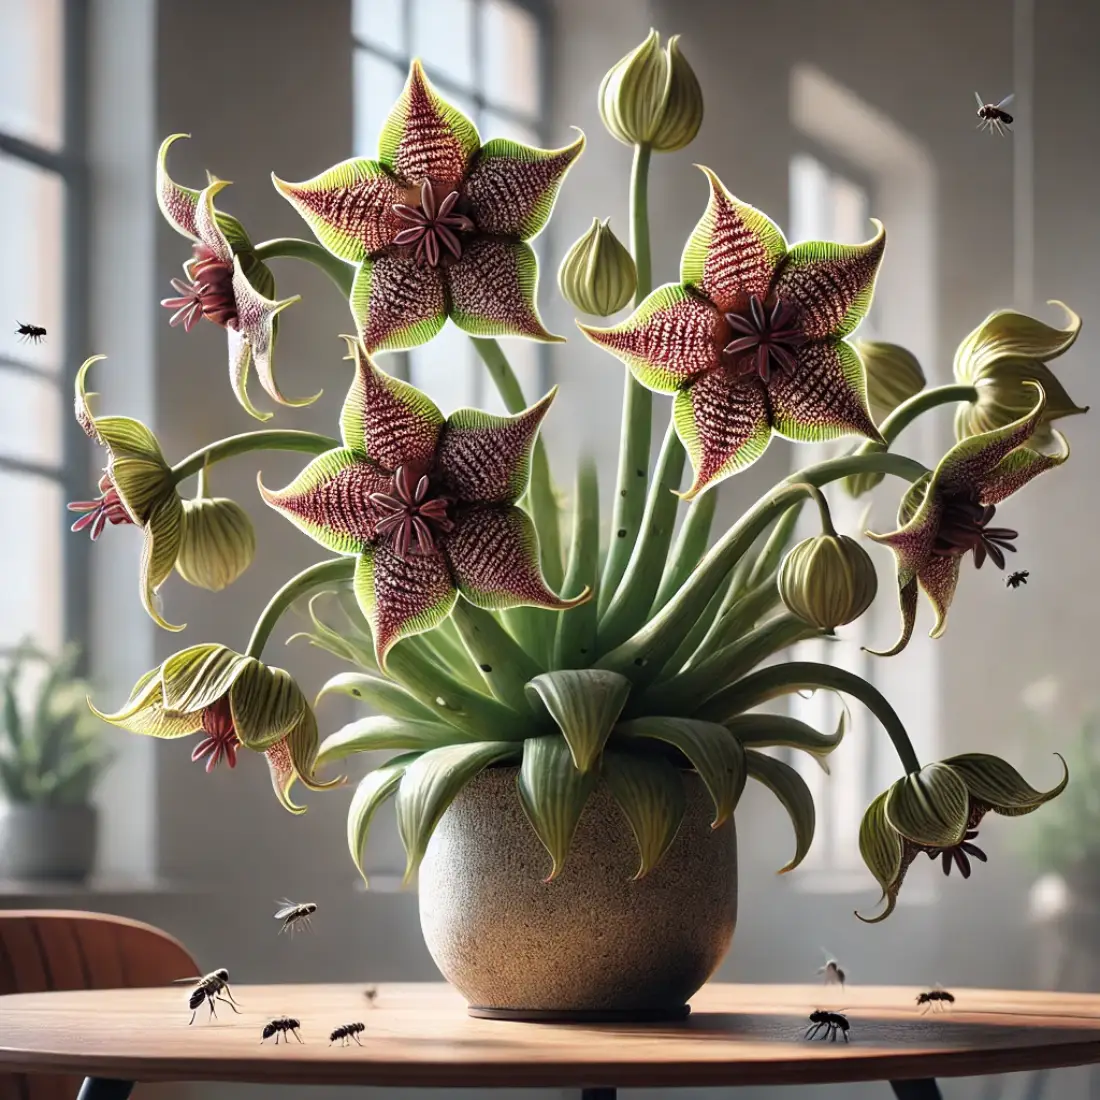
(49, 949)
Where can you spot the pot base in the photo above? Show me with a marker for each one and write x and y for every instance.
(582, 1016)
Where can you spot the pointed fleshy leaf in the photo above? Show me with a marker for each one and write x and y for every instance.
(493, 553)
(493, 289)
(586, 704)
(161, 547)
(487, 458)
(782, 731)
(938, 580)
(553, 794)
(397, 302)
(733, 252)
(999, 785)
(881, 848)
(349, 207)
(512, 187)
(387, 420)
(266, 704)
(330, 500)
(791, 790)
(425, 138)
(145, 713)
(504, 664)
(1015, 470)
(713, 753)
(673, 336)
(723, 423)
(824, 397)
(930, 807)
(199, 676)
(575, 643)
(302, 743)
(384, 695)
(283, 775)
(402, 596)
(650, 793)
(375, 787)
(379, 731)
(432, 782)
(832, 284)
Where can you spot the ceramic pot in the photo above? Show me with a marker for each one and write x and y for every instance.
(593, 944)
(39, 842)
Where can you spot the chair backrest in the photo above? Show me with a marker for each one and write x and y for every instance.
(44, 949)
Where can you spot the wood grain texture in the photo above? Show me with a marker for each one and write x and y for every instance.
(420, 1035)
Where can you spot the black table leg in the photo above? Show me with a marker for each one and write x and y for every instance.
(598, 1094)
(104, 1088)
(922, 1089)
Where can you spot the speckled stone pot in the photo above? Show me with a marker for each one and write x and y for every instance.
(592, 944)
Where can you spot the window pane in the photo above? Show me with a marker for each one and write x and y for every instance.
(510, 49)
(30, 418)
(443, 38)
(381, 22)
(524, 357)
(31, 204)
(501, 126)
(377, 86)
(30, 597)
(849, 203)
(30, 70)
(810, 216)
(444, 369)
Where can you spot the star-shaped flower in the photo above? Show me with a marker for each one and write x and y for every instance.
(438, 224)
(752, 339)
(225, 283)
(427, 504)
(949, 513)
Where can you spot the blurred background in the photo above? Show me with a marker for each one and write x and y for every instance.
(822, 112)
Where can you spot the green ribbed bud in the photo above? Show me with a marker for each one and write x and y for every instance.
(828, 580)
(652, 97)
(218, 544)
(893, 376)
(598, 275)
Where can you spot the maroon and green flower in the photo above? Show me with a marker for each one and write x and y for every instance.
(225, 283)
(426, 503)
(438, 224)
(949, 514)
(752, 340)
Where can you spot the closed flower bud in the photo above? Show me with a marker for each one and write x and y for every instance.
(893, 376)
(218, 544)
(1002, 357)
(828, 580)
(652, 97)
(598, 274)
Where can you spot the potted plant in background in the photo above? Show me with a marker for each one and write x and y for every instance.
(574, 727)
(51, 755)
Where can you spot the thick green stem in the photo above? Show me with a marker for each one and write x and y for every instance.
(273, 440)
(637, 422)
(818, 496)
(316, 576)
(544, 505)
(340, 273)
(919, 403)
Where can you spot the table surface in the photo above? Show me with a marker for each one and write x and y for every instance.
(420, 1035)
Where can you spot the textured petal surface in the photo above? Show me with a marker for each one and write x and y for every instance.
(672, 337)
(163, 535)
(512, 187)
(206, 222)
(723, 423)
(330, 500)
(145, 713)
(281, 766)
(919, 515)
(494, 555)
(387, 420)
(488, 458)
(402, 596)
(177, 203)
(824, 397)
(832, 284)
(938, 580)
(907, 603)
(492, 290)
(349, 207)
(425, 137)
(733, 252)
(397, 302)
(1015, 470)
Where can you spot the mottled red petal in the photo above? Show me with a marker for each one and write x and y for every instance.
(938, 579)
(397, 302)
(1015, 470)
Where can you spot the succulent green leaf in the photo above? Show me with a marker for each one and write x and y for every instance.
(384, 695)
(585, 703)
(791, 790)
(553, 794)
(200, 675)
(782, 534)
(267, 705)
(690, 546)
(712, 752)
(650, 793)
(880, 846)
(997, 783)
(505, 666)
(930, 806)
(372, 791)
(575, 643)
(782, 731)
(432, 782)
(379, 731)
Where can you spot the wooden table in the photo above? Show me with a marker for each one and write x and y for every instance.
(420, 1035)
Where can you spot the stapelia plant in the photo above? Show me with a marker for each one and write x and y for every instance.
(476, 642)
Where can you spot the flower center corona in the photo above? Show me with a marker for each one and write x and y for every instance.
(107, 508)
(209, 294)
(965, 526)
(433, 227)
(221, 736)
(410, 515)
(774, 337)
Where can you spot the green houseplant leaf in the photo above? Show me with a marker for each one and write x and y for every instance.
(650, 794)
(372, 791)
(383, 695)
(585, 703)
(782, 731)
(382, 732)
(575, 640)
(791, 790)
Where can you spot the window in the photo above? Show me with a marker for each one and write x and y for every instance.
(488, 58)
(41, 204)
